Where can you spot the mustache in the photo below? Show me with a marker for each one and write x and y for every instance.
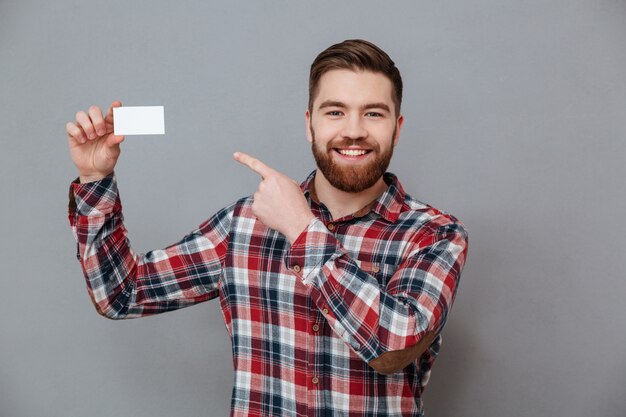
(346, 143)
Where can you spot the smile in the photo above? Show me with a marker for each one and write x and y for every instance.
(352, 152)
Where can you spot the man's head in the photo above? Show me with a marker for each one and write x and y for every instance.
(355, 54)
(353, 119)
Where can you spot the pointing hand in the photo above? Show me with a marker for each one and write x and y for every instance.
(279, 202)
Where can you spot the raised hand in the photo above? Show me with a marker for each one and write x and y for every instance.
(279, 202)
(93, 146)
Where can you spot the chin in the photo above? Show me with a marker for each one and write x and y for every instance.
(352, 177)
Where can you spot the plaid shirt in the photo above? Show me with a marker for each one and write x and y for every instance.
(304, 319)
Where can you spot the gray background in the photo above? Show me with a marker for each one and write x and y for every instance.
(514, 123)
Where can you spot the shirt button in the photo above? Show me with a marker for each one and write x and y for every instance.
(376, 269)
(296, 268)
(315, 380)
(316, 327)
(331, 227)
(325, 311)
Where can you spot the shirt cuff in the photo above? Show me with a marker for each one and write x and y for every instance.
(93, 198)
(314, 248)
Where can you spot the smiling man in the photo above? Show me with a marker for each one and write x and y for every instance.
(334, 291)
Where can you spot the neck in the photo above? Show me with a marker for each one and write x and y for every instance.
(341, 203)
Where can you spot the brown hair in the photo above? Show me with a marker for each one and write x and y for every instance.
(355, 54)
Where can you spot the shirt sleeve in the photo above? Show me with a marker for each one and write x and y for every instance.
(370, 318)
(124, 284)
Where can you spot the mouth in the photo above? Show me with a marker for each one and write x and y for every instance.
(352, 154)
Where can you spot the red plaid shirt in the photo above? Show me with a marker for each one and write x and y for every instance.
(304, 319)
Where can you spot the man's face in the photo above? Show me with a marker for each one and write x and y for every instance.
(353, 128)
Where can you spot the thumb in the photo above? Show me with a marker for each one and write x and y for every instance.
(109, 116)
(113, 140)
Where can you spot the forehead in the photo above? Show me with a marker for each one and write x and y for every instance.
(354, 87)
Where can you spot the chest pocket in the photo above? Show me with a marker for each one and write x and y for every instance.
(381, 271)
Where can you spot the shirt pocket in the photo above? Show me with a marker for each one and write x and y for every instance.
(379, 270)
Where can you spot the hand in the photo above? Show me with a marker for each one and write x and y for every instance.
(279, 202)
(93, 146)
(394, 361)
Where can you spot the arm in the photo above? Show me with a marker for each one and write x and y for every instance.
(387, 327)
(394, 361)
(123, 284)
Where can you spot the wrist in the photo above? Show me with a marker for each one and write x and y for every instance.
(91, 177)
(297, 229)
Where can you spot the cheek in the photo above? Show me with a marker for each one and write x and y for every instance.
(383, 129)
(384, 135)
(324, 134)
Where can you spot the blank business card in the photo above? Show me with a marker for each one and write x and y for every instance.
(139, 120)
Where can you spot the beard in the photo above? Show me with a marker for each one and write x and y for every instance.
(354, 178)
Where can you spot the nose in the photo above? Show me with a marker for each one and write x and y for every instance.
(354, 128)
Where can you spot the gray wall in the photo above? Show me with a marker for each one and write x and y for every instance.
(514, 122)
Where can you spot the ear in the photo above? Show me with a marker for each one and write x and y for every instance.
(307, 116)
(399, 123)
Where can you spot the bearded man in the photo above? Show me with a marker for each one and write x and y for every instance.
(334, 291)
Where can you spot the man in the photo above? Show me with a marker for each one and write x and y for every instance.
(334, 292)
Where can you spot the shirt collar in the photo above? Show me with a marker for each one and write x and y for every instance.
(388, 205)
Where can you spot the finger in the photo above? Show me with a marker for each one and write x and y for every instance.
(85, 123)
(254, 164)
(74, 133)
(95, 114)
(114, 140)
(109, 117)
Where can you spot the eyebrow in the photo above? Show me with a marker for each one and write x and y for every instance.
(333, 103)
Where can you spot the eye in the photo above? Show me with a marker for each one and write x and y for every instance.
(334, 113)
(374, 114)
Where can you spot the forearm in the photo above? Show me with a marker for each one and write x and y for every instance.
(123, 284)
(371, 318)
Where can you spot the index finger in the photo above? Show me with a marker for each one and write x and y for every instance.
(254, 164)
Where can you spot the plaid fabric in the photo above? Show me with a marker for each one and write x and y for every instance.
(304, 319)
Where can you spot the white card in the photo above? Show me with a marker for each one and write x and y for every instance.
(139, 120)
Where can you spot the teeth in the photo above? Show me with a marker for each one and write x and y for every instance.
(352, 152)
